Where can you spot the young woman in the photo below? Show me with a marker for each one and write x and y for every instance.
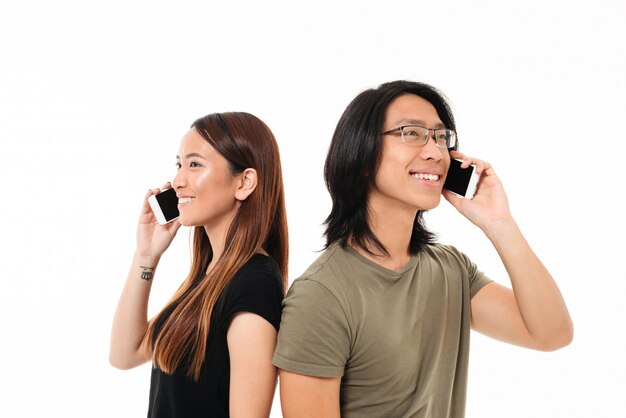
(211, 345)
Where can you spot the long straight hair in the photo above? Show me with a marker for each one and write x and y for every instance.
(259, 224)
(353, 160)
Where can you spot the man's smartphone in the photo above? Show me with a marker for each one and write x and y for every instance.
(164, 205)
(461, 181)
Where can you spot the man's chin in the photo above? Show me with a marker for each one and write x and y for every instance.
(431, 204)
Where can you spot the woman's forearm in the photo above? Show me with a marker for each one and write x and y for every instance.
(131, 315)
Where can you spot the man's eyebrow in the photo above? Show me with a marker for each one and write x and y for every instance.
(192, 154)
(403, 122)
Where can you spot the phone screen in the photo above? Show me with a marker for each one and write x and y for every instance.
(458, 179)
(168, 202)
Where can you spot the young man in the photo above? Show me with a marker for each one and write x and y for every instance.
(378, 326)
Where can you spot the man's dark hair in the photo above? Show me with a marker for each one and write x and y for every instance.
(353, 159)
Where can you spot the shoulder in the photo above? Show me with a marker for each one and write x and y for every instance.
(315, 329)
(454, 263)
(256, 288)
(259, 272)
(328, 268)
(446, 254)
(259, 264)
(327, 283)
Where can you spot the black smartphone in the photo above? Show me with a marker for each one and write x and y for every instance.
(164, 205)
(461, 181)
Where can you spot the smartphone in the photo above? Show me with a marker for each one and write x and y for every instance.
(461, 181)
(164, 205)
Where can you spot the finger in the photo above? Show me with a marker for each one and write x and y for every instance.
(489, 169)
(153, 191)
(173, 227)
(457, 154)
(484, 168)
(146, 205)
(473, 161)
(166, 186)
(150, 193)
(480, 166)
(465, 160)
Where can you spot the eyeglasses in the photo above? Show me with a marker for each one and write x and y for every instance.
(415, 134)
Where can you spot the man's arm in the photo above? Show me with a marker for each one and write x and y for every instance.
(314, 343)
(307, 396)
(533, 314)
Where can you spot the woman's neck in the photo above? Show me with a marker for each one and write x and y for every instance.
(217, 237)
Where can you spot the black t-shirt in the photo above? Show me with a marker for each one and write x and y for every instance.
(256, 288)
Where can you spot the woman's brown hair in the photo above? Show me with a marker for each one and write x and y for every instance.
(259, 225)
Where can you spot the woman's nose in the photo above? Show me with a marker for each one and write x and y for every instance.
(179, 179)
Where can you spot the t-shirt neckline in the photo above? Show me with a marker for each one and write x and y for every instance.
(380, 269)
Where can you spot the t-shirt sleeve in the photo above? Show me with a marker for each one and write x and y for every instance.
(257, 288)
(314, 337)
(477, 279)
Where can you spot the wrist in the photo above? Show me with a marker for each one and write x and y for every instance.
(150, 261)
(145, 266)
(500, 228)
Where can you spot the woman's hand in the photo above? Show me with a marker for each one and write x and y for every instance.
(128, 348)
(152, 238)
(490, 206)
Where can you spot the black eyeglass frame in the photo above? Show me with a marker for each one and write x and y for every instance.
(401, 130)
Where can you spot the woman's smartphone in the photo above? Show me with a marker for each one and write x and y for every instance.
(164, 205)
(461, 181)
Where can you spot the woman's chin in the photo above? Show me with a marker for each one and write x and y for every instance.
(184, 222)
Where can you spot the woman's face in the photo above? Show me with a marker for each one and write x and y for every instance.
(410, 176)
(204, 184)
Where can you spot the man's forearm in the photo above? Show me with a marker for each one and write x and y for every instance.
(538, 297)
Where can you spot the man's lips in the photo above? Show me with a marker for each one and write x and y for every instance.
(425, 176)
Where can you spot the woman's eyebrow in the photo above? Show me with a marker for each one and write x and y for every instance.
(191, 154)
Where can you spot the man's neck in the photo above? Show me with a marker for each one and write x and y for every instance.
(393, 230)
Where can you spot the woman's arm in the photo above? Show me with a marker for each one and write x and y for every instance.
(131, 316)
(533, 314)
(251, 342)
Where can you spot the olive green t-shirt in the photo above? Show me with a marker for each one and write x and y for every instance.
(399, 339)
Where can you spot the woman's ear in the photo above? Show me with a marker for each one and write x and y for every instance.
(247, 184)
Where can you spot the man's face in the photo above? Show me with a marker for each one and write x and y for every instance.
(410, 176)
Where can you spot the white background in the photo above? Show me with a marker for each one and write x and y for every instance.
(94, 99)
